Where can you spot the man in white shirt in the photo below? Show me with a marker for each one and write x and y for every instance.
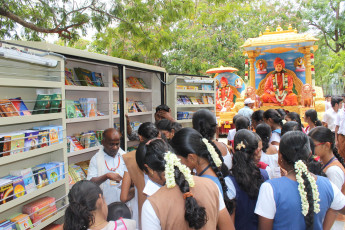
(328, 102)
(340, 132)
(331, 115)
(107, 166)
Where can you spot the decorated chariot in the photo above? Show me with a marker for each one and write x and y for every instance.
(280, 67)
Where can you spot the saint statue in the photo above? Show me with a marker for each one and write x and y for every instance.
(224, 96)
(278, 86)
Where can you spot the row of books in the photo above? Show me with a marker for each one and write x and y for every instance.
(190, 87)
(45, 103)
(135, 106)
(31, 216)
(26, 140)
(188, 100)
(135, 82)
(84, 140)
(78, 171)
(83, 77)
(24, 181)
(85, 107)
(185, 115)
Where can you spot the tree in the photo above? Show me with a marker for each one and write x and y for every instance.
(328, 18)
(66, 18)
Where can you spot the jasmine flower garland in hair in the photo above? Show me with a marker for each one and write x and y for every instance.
(171, 161)
(212, 151)
(301, 168)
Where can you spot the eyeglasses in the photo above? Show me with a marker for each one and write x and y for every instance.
(322, 143)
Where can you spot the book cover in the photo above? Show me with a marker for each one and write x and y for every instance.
(43, 138)
(7, 109)
(5, 145)
(199, 101)
(31, 140)
(179, 100)
(84, 165)
(42, 104)
(190, 87)
(74, 144)
(28, 179)
(181, 87)
(20, 106)
(116, 82)
(131, 107)
(6, 191)
(128, 83)
(52, 171)
(69, 79)
(142, 82)
(17, 142)
(115, 108)
(40, 176)
(78, 110)
(141, 107)
(206, 87)
(47, 208)
(194, 100)
(61, 168)
(97, 79)
(185, 100)
(204, 100)
(135, 83)
(18, 185)
(84, 76)
(23, 222)
(55, 133)
(55, 103)
(70, 109)
(89, 106)
(210, 100)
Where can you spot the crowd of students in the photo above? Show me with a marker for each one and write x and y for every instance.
(273, 174)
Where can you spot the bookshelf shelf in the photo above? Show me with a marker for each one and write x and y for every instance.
(51, 219)
(29, 119)
(194, 91)
(30, 83)
(140, 113)
(84, 119)
(195, 106)
(38, 192)
(139, 90)
(73, 154)
(32, 153)
(115, 89)
(184, 121)
(85, 88)
(115, 116)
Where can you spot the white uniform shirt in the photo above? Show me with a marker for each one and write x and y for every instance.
(328, 105)
(111, 189)
(340, 121)
(329, 117)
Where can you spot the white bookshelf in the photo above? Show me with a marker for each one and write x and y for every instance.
(26, 80)
(188, 80)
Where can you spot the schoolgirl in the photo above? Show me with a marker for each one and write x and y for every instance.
(300, 199)
(168, 128)
(333, 163)
(184, 201)
(275, 121)
(310, 116)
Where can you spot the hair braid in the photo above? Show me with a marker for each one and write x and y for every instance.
(337, 155)
(194, 214)
(309, 218)
(228, 203)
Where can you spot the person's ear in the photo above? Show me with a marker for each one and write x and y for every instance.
(328, 145)
(173, 132)
(192, 158)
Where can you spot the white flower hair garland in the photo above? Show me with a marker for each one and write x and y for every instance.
(214, 154)
(171, 161)
(301, 168)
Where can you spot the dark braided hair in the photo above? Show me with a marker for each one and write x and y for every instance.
(247, 174)
(295, 146)
(295, 117)
(274, 115)
(205, 122)
(264, 131)
(312, 114)
(188, 141)
(323, 134)
(153, 155)
(82, 202)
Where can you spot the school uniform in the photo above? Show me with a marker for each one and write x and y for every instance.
(329, 117)
(340, 121)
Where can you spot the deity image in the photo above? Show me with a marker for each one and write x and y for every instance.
(224, 96)
(278, 86)
(299, 64)
(261, 65)
(307, 95)
(251, 93)
(238, 83)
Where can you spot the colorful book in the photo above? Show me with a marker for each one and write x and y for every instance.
(78, 110)
(55, 103)
(194, 100)
(20, 106)
(210, 100)
(47, 208)
(204, 100)
(70, 109)
(42, 104)
(142, 82)
(88, 140)
(84, 76)
(179, 100)
(89, 106)
(97, 79)
(55, 133)
(23, 221)
(43, 138)
(7, 109)
(74, 144)
(131, 107)
(18, 185)
(6, 191)
(5, 145)
(17, 142)
(199, 101)
(52, 171)
(186, 100)
(31, 140)
(140, 106)
(69, 79)
(116, 82)
(61, 168)
(29, 181)
(40, 176)
(206, 87)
